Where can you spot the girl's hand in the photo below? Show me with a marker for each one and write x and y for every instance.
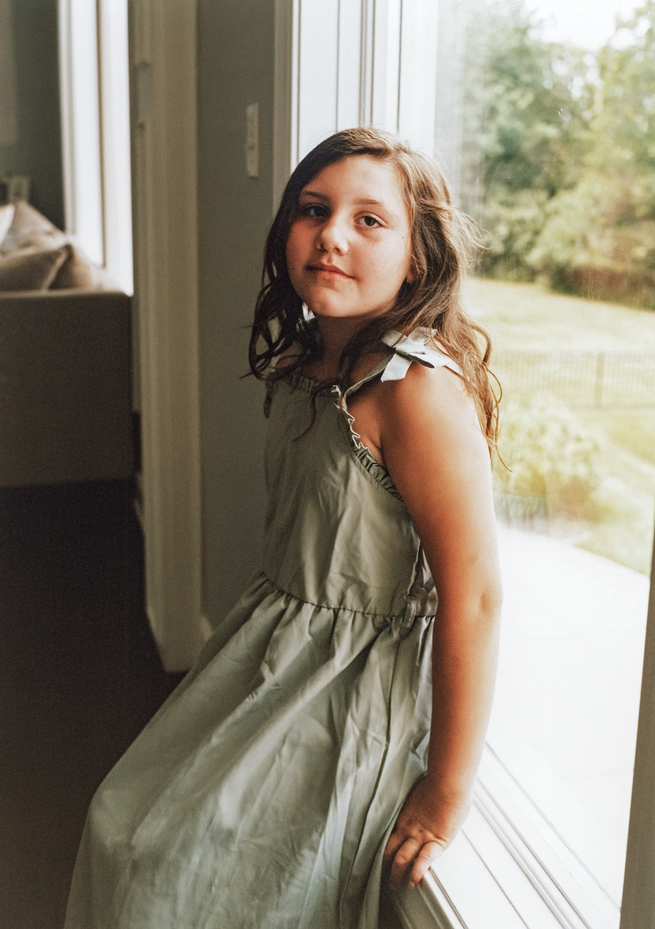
(423, 830)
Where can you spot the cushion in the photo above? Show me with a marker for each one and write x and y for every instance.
(30, 229)
(28, 219)
(78, 273)
(6, 219)
(31, 268)
(35, 239)
(64, 265)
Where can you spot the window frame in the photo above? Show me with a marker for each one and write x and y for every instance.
(95, 123)
(523, 871)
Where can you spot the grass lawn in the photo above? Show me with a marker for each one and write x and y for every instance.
(530, 316)
(620, 480)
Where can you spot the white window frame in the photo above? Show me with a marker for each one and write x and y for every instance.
(94, 92)
(508, 869)
(378, 73)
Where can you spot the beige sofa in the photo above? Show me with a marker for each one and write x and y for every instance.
(65, 368)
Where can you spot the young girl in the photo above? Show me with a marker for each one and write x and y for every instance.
(325, 745)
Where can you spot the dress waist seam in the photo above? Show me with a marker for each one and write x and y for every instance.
(404, 618)
(330, 606)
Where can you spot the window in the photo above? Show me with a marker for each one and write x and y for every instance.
(549, 144)
(554, 133)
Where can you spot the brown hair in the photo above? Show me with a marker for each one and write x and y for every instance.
(442, 241)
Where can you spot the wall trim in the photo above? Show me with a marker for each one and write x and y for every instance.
(164, 124)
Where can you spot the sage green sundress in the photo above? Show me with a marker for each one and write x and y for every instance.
(262, 793)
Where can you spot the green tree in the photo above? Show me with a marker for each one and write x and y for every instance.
(599, 236)
(526, 109)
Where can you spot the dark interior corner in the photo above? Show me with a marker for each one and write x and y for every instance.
(79, 677)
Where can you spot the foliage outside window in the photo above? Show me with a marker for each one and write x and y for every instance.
(561, 171)
(557, 165)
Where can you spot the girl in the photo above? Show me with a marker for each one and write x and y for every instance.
(333, 726)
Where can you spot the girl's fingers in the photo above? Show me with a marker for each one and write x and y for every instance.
(402, 859)
(410, 852)
(394, 842)
(425, 858)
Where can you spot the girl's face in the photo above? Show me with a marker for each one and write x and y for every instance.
(349, 245)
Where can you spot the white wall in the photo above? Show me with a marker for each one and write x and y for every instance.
(30, 135)
(235, 69)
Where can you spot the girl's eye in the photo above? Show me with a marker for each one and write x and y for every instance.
(370, 221)
(314, 211)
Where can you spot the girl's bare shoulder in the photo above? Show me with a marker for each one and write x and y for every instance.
(427, 394)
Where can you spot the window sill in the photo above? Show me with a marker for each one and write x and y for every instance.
(508, 869)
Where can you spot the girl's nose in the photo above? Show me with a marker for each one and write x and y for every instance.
(333, 236)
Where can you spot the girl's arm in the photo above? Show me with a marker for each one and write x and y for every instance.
(437, 457)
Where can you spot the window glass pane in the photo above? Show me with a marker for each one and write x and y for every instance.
(550, 139)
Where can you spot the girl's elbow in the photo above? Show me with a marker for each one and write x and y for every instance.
(485, 605)
(476, 609)
(491, 601)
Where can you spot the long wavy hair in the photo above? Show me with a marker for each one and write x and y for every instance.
(443, 242)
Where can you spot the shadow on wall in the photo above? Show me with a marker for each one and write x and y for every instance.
(31, 145)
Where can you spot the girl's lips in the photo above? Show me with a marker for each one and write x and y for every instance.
(329, 270)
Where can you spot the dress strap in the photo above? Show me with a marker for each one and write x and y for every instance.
(380, 368)
(406, 349)
(411, 348)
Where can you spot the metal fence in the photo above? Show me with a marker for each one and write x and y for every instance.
(595, 379)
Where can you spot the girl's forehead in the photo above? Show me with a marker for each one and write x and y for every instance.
(360, 177)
